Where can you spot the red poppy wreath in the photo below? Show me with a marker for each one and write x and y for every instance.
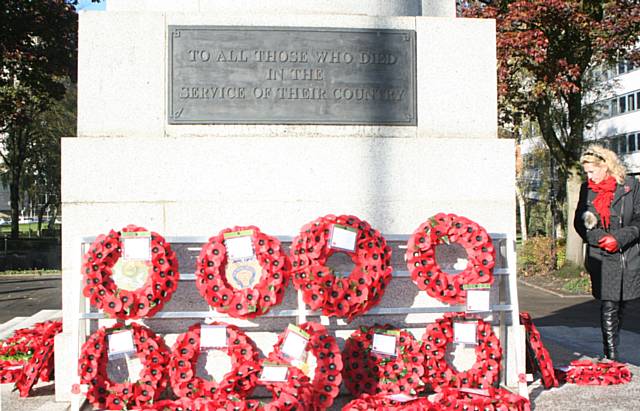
(181, 404)
(484, 372)
(149, 284)
(292, 393)
(239, 381)
(18, 350)
(541, 356)
(102, 391)
(321, 288)
(451, 399)
(382, 402)
(586, 372)
(372, 371)
(326, 375)
(248, 287)
(448, 229)
(40, 365)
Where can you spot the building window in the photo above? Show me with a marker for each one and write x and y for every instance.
(631, 102)
(622, 144)
(631, 142)
(622, 67)
(622, 104)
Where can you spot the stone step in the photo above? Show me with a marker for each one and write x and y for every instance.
(54, 406)
(9, 325)
(43, 315)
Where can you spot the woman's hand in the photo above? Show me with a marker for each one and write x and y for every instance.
(608, 243)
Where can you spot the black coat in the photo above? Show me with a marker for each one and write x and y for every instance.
(614, 276)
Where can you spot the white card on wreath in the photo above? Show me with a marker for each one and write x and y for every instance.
(401, 397)
(218, 364)
(239, 248)
(479, 300)
(384, 344)
(213, 336)
(274, 373)
(294, 345)
(465, 332)
(136, 248)
(120, 342)
(476, 391)
(135, 368)
(343, 238)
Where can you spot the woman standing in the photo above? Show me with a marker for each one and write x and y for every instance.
(608, 220)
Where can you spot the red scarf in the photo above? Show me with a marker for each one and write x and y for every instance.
(604, 196)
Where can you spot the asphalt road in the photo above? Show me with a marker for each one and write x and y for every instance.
(25, 296)
(549, 310)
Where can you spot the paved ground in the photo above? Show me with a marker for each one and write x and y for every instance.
(569, 327)
(25, 296)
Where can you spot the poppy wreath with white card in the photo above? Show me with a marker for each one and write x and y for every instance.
(393, 369)
(449, 229)
(246, 285)
(326, 374)
(239, 381)
(104, 393)
(151, 279)
(483, 373)
(292, 391)
(340, 296)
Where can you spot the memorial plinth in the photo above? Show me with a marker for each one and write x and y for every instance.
(228, 113)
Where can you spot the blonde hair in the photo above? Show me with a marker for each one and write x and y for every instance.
(598, 155)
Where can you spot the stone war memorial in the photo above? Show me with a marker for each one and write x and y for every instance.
(233, 145)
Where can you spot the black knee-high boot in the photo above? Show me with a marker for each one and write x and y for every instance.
(610, 323)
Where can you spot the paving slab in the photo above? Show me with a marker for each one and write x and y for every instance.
(40, 316)
(566, 344)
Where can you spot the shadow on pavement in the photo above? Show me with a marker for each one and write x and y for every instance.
(587, 314)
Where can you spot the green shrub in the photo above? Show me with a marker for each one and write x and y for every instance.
(534, 257)
(580, 285)
(569, 270)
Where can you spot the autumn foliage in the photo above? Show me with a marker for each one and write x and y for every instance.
(545, 49)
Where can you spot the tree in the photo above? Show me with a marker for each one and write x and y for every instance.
(38, 51)
(43, 165)
(546, 50)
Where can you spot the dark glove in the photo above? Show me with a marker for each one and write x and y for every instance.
(608, 243)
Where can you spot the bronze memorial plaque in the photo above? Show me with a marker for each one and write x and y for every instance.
(274, 75)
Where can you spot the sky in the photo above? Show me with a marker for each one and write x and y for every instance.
(88, 5)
